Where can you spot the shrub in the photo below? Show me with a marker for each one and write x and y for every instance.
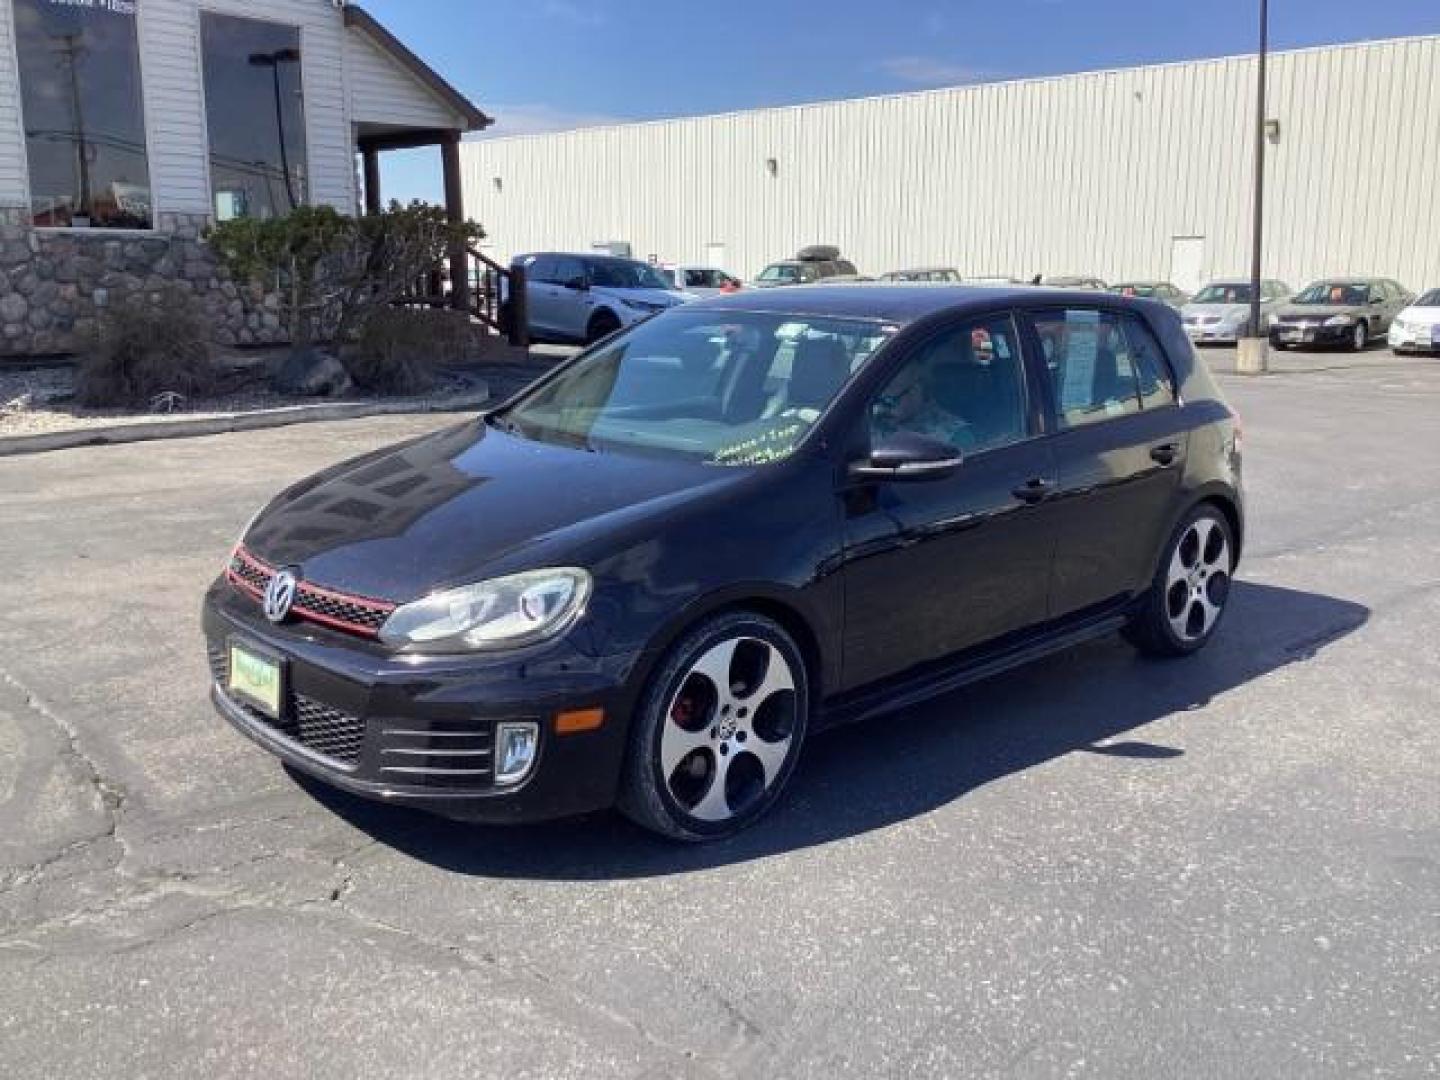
(144, 348)
(399, 349)
(333, 271)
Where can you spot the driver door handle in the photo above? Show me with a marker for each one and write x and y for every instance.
(1037, 489)
(1164, 454)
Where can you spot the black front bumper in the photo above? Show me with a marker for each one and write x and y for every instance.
(420, 731)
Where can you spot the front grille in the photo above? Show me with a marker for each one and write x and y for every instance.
(318, 727)
(358, 615)
(438, 754)
(321, 603)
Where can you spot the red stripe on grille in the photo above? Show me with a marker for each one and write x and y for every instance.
(253, 575)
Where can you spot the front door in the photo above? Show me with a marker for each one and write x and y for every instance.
(1120, 451)
(933, 567)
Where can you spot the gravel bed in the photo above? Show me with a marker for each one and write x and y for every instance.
(39, 401)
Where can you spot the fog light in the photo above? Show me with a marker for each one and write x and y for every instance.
(515, 746)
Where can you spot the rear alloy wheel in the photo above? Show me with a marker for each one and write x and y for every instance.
(1361, 337)
(719, 730)
(1180, 612)
(602, 324)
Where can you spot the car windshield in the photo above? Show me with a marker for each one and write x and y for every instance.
(737, 388)
(624, 274)
(780, 272)
(1334, 294)
(1223, 294)
(1429, 299)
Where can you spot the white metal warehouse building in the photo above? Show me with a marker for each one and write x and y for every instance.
(1137, 173)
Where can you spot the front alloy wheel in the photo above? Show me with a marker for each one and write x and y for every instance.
(1360, 338)
(719, 731)
(1184, 604)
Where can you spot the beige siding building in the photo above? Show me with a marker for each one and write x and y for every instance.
(128, 126)
(1144, 172)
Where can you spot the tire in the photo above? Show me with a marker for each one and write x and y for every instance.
(1186, 601)
(705, 761)
(1361, 338)
(602, 324)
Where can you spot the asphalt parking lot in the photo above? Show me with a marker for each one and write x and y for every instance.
(1097, 866)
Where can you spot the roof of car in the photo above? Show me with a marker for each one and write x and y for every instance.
(899, 304)
(596, 256)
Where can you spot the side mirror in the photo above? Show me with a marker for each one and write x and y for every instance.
(1377, 300)
(908, 456)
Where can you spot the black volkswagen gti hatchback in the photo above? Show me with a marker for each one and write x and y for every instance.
(648, 577)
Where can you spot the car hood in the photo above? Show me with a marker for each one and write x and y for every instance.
(1318, 312)
(1223, 311)
(445, 509)
(1427, 315)
(656, 297)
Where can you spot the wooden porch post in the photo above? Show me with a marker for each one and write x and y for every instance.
(455, 211)
(371, 158)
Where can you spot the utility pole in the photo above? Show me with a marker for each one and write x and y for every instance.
(1252, 357)
(273, 60)
(71, 52)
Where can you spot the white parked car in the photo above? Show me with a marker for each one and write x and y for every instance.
(1417, 328)
(1220, 311)
(583, 298)
(700, 280)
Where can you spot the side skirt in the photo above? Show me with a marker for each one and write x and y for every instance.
(891, 696)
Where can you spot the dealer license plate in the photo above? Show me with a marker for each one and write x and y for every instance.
(256, 679)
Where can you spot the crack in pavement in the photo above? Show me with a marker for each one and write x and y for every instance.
(110, 794)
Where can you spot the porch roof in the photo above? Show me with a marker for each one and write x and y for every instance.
(467, 115)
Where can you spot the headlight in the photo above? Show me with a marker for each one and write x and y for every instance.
(1340, 320)
(499, 614)
(240, 538)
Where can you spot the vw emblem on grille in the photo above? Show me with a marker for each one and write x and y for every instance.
(280, 595)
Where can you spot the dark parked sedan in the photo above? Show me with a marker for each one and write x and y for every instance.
(1339, 311)
(647, 578)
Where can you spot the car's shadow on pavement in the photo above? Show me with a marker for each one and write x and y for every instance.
(871, 775)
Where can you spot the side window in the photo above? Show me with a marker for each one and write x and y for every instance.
(567, 270)
(541, 269)
(1157, 385)
(809, 272)
(965, 387)
(1091, 365)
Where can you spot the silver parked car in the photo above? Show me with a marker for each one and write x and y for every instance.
(944, 274)
(1073, 281)
(1340, 311)
(583, 298)
(1220, 312)
(1153, 290)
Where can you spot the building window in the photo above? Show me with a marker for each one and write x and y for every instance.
(84, 115)
(255, 109)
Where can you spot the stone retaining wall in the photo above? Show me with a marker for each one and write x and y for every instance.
(55, 282)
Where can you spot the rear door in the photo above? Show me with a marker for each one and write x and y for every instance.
(540, 289)
(937, 566)
(1119, 446)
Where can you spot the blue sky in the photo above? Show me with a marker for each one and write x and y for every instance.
(538, 65)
